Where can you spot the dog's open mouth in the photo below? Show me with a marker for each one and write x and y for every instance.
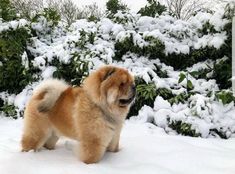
(125, 102)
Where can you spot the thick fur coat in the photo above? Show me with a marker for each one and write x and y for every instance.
(92, 114)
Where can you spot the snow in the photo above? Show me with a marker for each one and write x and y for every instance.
(178, 37)
(8, 98)
(147, 137)
(25, 60)
(160, 103)
(39, 62)
(215, 40)
(148, 143)
(21, 99)
(48, 72)
(201, 112)
(4, 26)
(143, 149)
(95, 42)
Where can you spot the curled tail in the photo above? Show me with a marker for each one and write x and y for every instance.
(48, 93)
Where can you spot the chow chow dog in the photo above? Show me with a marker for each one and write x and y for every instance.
(92, 114)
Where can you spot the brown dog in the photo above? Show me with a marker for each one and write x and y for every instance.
(92, 114)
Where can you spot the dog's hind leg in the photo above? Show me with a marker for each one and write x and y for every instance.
(37, 130)
(33, 141)
(51, 141)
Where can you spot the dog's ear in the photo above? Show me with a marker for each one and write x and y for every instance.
(108, 73)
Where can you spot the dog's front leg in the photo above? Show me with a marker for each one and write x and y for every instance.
(114, 144)
(91, 151)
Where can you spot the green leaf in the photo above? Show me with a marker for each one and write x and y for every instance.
(208, 66)
(182, 77)
(189, 84)
(194, 74)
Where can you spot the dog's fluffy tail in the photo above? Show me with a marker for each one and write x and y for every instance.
(48, 93)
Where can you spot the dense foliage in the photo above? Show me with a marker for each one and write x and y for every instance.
(152, 9)
(177, 64)
(7, 12)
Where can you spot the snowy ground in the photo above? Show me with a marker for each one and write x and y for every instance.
(144, 149)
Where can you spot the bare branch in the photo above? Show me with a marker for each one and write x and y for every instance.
(184, 9)
(27, 7)
(69, 11)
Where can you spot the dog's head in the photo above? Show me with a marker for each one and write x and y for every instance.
(111, 87)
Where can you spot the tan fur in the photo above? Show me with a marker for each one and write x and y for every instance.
(92, 114)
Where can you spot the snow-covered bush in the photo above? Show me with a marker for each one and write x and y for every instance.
(44, 22)
(225, 96)
(73, 72)
(180, 66)
(152, 9)
(145, 95)
(16, 67)
(201, 116)
(113, 6)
